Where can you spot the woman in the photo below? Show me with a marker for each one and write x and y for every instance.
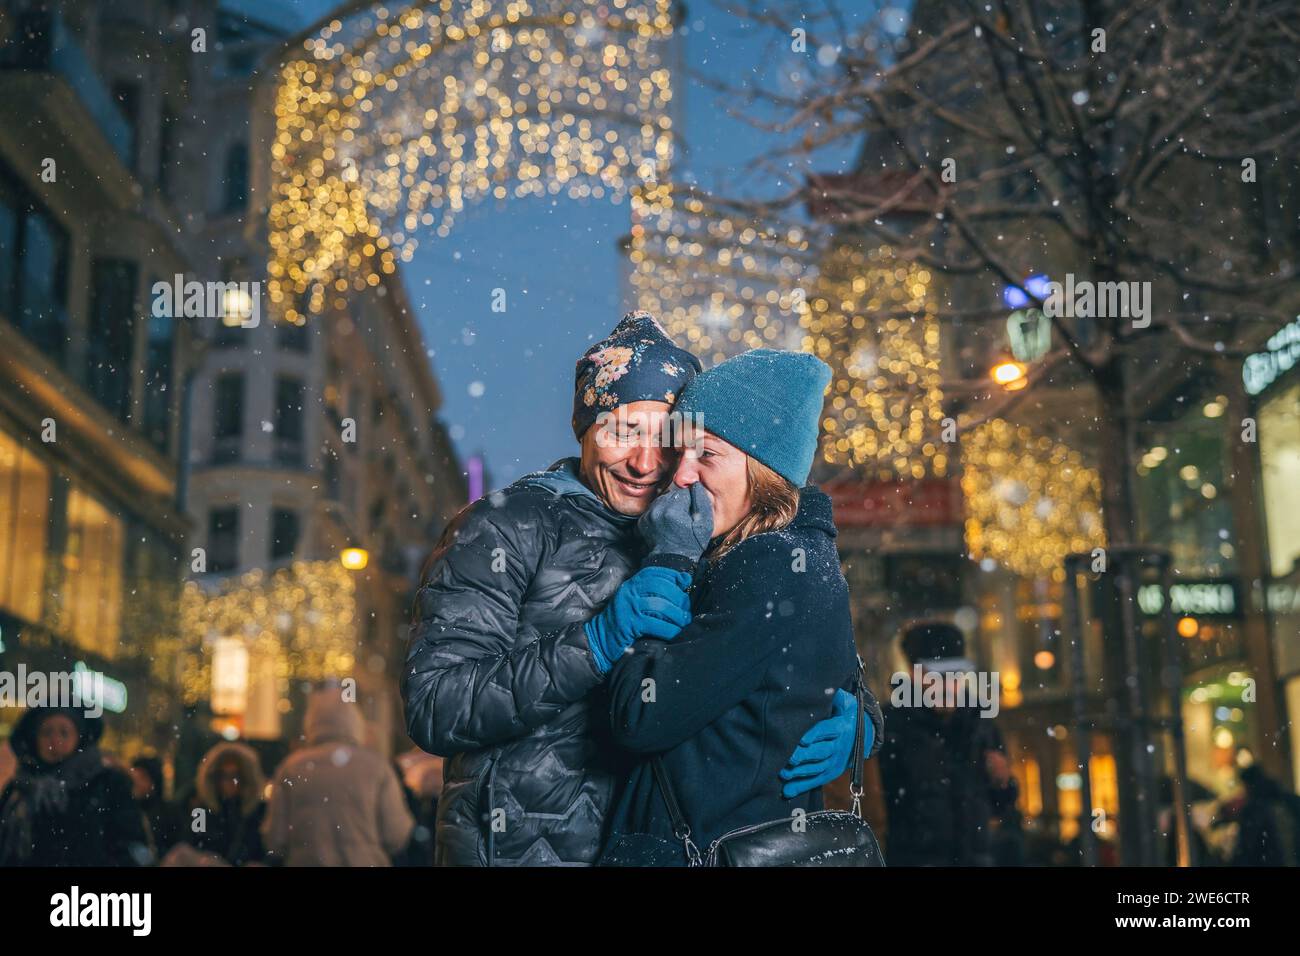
(769, 640)
(66, 806)
(225, 817)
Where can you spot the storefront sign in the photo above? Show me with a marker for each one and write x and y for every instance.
(893, 504)
(97, 687)
(1214, 598)
(1262, 369)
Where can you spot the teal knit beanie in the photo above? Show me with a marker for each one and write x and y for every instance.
(767, 403)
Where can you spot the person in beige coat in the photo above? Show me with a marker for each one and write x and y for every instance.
(335, 802)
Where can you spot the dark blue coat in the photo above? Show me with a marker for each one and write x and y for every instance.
(769, 644)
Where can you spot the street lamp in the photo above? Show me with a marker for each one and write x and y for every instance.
(354, 558)
(1010, 374)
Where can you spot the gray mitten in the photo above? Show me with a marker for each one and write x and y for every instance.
(678, 526)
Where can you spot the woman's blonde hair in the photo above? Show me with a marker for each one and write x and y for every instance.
(773, 503)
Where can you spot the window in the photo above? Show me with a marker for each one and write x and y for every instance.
(24, 526)
(166, 146)
(223, 540)
(292, 337)
(92, 589)
(284, 533)
(228, 417)
(33, 268)
(333, 489)
(236, 178)
(232, 336)
(111, 335)
(157, 413)
(127, 97)
(288, 421)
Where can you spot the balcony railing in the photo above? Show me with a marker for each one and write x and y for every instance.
(42, 43)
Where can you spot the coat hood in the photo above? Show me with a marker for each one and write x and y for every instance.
(250, 772)
(23, 739)
(562, 480)
(331, 718)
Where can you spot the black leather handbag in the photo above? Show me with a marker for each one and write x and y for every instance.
(823, 838)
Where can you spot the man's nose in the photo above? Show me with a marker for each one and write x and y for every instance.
(646, 459)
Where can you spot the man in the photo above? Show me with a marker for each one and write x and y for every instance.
(947, 783)
(514, 629)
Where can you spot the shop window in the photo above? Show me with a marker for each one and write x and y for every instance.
(93, 559)
(1279, 454)
(24, 526)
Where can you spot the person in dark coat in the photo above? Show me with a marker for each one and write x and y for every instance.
(147, 789)
(770, 640)
(501, 677)
(228, 805)
(944, 772)
(67, 806)
(1268, 822)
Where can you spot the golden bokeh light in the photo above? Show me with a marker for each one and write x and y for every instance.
(1030, 500)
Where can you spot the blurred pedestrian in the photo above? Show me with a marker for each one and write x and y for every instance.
(944, 770)
(421, 777)
(66, 806)
(336, 802)
(1268, 822)
(148, 790)
(225, 814)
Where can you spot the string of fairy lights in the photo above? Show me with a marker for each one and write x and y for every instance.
(1030, 500)
(300, 619)
(394, 119)
(722, 283)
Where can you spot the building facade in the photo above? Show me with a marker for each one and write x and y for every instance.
(91, 537)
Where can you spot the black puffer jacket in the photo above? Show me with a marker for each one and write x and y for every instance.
(499, 676)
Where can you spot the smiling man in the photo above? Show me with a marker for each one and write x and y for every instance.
(525, 604)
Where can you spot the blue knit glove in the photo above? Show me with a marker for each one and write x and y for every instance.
(823, 753)
(651, 603)
(677, 526)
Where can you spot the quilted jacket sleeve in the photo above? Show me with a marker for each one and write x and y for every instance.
(466, 684)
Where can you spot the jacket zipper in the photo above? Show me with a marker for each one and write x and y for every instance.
(491, 808)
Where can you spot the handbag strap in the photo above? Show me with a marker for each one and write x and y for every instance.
(682, 830)
(858, 757)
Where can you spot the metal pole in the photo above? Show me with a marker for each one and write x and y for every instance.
(1172, 678)
(1079, 700)
(1136, 719)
